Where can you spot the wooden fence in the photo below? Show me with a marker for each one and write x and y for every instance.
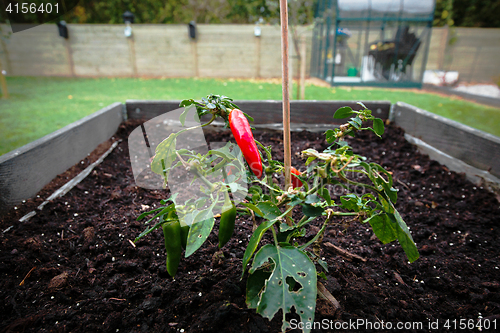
(218, 51)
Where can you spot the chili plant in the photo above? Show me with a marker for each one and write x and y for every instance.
(283, 274)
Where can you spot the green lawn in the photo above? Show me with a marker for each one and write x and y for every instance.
(40, 105)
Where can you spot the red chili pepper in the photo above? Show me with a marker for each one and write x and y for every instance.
(244, 138)
(295, 181)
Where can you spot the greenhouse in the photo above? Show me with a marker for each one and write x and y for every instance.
(372, 42)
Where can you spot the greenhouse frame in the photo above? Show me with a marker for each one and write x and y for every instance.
(372, 42)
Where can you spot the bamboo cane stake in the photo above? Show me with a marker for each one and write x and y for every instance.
(286, 91)
(286, 96)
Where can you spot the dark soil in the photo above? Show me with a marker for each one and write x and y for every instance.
(72, 267)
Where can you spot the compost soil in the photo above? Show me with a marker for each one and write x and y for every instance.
(73, 268)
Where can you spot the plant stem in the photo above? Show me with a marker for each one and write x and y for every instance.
(275, 236)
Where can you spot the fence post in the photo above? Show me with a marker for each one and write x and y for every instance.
(303, 55)
(3, 82)
(442, 46)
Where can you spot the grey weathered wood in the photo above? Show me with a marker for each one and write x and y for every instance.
(267, 112)
(474, 147)
(26, 170)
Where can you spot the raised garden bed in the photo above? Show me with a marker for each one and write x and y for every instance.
(80, 272)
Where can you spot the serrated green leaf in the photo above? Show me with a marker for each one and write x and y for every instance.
(343, 112)
(292, 269)
(378, 126)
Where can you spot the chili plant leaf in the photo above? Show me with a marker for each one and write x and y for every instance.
(312, 211)
(383, 228)
(255, 284)
(198, 234)
(330, 136)
(326, 195)
(351, 202)
(182, 117)
(255, 209)
(270, 211)
(292, 283)
(140, 217)
(254, 242)
(312, 198)
(354, 124)
(148, 230)
(186, 102)
(378, 126)
(165, 151)
(343, 112)
(404, 236)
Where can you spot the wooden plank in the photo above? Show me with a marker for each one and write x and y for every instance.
(100, 50)
(163, 50)
(26, 170)
(224, 49)
(474, 147)
(37, 51)
(267, 112)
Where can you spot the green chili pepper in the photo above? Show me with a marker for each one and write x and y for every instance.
(173, 246)
(184, 235)
(227, 219)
